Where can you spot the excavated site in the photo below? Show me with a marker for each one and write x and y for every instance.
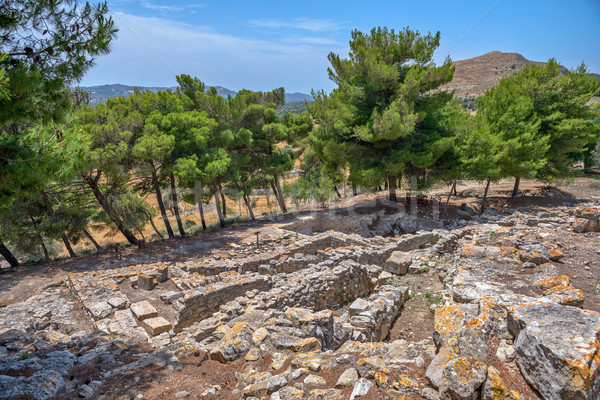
(345, 304)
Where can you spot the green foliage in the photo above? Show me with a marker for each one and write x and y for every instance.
(313, 185)
(540, 120)
(48, 45)
(380, 120)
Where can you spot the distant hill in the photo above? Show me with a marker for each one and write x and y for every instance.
(100, 93)
(475, 76)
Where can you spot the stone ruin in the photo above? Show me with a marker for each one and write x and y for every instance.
(320, 295)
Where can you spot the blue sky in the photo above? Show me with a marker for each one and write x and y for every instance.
(261, 45)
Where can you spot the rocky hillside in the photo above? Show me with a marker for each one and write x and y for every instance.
(475, 76)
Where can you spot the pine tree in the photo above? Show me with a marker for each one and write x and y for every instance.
(380, 115)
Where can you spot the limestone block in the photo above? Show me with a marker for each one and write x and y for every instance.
(100, 310)
(358, 306)
(171, 297)
(145, 282)
(306, 345)
(348, 378)
(143, 310)
(494, 388)
(462, 378)
(557, 349)
(118, 302)
(398, 263)
(235, 344)
(157, 325)
(361, 388)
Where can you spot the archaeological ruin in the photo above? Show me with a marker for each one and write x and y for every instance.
(318, 296)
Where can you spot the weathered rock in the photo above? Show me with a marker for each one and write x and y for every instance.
(306, 345)
(143, 310)
(565, 295)
(157, 325)
(367, 367)
(277, 360)
(145, 282)
(253, 355)
(361, 388)
(430, 394)
(359, 305)
(348, 378)
(275, 383)
(505, 352)
(171, 297)
(235, 344)
(118, 302)
(59, 361)
(398, 263)
(557, 349)
(41, 385)
(259, 336)
(325, 394)
(290, 393)
(494, 388)
(462, 378)
(314, 380)
(100, 310)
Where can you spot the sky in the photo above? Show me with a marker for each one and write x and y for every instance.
(262, 45)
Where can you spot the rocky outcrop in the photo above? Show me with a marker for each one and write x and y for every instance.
(557, 349)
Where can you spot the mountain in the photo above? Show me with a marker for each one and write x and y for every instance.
(474, 76)
(101, 93)
(297, 97)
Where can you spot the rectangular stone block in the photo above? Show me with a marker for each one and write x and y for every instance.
(124, 319)
(118, 302)
(145, 282)
(156, 326)
(143, 310)
(398, 263)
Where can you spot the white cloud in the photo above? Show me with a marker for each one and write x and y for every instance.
(149, 51)
(301, 23)
(158, 7)
(311, 40)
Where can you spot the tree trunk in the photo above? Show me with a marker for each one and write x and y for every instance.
(50, 212)
(337, 192)
(93, 183)
(274, 183)
(91, 239)
(198, 189)
(485, 193)
(8, 256)
(46, 254)
(452, 189)
(201, 211)
(515, 191)
(248, 205)
(41, 239)
(154, 227)
(161, 204)
(216, 190)
(392, 190)
(176, 204)
(223, 201)
(354, 191)
(280, 192)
